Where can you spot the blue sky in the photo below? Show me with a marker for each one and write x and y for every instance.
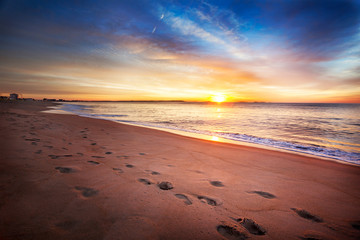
(285, 51)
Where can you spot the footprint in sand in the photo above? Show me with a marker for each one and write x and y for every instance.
(144, 181)
(38, 151)
(32, 139)
(93, 144)
(64, 169)
(108, 153)
(251, 226)
(93, 162)
(187, 201)
(231, 233)
(356, 225)
(87, 192)
(165, 186)
(264, 194)
(97, 157)
(152, 172)
(305, 214)
(208, 200)
(217, 183)
(119, 170)
(129, 166)
(57, 156)
(142, 153)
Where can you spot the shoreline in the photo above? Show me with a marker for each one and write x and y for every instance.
(72, 177)
(209, 138)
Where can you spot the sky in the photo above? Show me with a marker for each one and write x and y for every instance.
(246, 50)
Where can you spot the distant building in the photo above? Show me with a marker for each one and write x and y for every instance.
(3, 98)
(14, 96)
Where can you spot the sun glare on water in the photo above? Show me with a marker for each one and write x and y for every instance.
(218, 98)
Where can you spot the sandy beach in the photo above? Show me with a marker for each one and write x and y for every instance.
(70, 177)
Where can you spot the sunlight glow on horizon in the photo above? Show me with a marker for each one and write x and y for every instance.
(218, 98)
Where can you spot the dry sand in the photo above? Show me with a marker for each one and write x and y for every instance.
(69, 177)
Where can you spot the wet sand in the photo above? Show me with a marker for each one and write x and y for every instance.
(69, 177)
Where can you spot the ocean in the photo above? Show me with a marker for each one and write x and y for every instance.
(325, 130)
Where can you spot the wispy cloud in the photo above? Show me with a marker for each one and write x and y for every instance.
(222, 40)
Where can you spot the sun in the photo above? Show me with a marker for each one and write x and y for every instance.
(218, 98)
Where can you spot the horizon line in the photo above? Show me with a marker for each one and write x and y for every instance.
(179, 101)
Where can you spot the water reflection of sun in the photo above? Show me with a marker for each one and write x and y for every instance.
(218, 98)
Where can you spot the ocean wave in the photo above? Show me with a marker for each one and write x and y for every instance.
(83, 110)
(75, 108)
(108, 115)
(164, 122)
(312, 149)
